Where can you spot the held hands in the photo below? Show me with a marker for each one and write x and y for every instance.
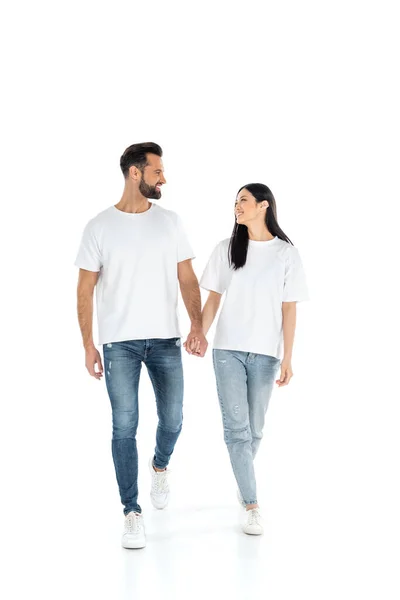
(286, 373)
(93, 358)
(196, 343)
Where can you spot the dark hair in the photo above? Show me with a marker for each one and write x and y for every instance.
(239, 241)
(137, 155)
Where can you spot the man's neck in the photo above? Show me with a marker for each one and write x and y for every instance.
(133, 201)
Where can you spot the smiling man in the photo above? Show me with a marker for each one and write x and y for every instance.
(136, 252)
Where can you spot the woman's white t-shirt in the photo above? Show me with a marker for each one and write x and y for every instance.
(251, 316)
(136, 255)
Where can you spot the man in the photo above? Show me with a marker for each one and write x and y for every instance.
(136, 252)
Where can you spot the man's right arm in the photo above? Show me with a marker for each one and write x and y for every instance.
(86, 284)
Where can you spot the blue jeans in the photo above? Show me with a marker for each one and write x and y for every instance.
(244, 383)
(122, 366)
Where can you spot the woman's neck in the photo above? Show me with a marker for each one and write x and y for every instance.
(259, 233)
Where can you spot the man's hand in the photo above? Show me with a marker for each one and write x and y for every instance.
(196, 343)
(93, 358)
(286, 373)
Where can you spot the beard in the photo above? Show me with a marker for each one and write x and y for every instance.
(149, 191)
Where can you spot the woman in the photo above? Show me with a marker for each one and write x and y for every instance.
(261, 272)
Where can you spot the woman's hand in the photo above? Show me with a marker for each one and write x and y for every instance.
(196, 343)
(286, 373)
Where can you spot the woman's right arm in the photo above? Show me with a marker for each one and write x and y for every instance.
(210, 309)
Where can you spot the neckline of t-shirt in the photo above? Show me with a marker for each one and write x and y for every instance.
(133, 215)
(262, 243)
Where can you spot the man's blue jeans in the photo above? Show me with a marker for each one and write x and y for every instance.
(122, 366)
(244, 383)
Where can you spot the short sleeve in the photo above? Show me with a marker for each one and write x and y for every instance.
(184, 248)
(89, 255)
(295, 285)
(217, 274)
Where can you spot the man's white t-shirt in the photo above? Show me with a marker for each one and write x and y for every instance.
(251, 315)
(136, 255)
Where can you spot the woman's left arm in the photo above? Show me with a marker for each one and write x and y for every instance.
(289, 326)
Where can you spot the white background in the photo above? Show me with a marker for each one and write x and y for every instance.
(302, 96)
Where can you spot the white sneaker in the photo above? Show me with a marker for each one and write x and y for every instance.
(253, 524)
(239, 497)
(159, 493)
(133, 536)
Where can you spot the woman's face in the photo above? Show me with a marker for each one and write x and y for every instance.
(247, 209)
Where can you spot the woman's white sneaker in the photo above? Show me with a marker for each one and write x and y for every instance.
(133, 536)
(159, 493)
(253, 524)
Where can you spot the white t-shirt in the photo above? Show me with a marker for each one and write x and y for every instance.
(251, 315)
(137, 256)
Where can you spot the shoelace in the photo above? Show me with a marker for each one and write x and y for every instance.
(160, 483)
(132, 523)
(254, 518)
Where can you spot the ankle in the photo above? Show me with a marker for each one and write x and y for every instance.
(251, 506)
(159, 470)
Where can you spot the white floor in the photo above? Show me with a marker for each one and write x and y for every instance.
(195, 549)
(327, 486)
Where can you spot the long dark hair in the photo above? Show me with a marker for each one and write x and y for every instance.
(239, 241)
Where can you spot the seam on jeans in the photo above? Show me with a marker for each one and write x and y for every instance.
(233, 436)
(218, 394)
(169, 430)
(239, 430)
(158, 389)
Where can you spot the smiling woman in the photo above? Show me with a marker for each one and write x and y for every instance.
(262, 275)
(251, 206)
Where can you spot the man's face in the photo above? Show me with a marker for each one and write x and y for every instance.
(152, 177)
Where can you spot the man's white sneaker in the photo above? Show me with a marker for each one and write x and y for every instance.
(240, 499)
(159, 493)
(253, 524)
(133, 536)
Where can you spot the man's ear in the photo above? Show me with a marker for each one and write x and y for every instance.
(134, 173)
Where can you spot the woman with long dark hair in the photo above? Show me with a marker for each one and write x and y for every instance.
(261, 272)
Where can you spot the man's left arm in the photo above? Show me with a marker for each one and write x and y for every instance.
(196, 342)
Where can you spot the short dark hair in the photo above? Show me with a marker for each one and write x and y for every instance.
(137, 155)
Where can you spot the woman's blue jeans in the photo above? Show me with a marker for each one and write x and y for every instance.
(244, 383)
